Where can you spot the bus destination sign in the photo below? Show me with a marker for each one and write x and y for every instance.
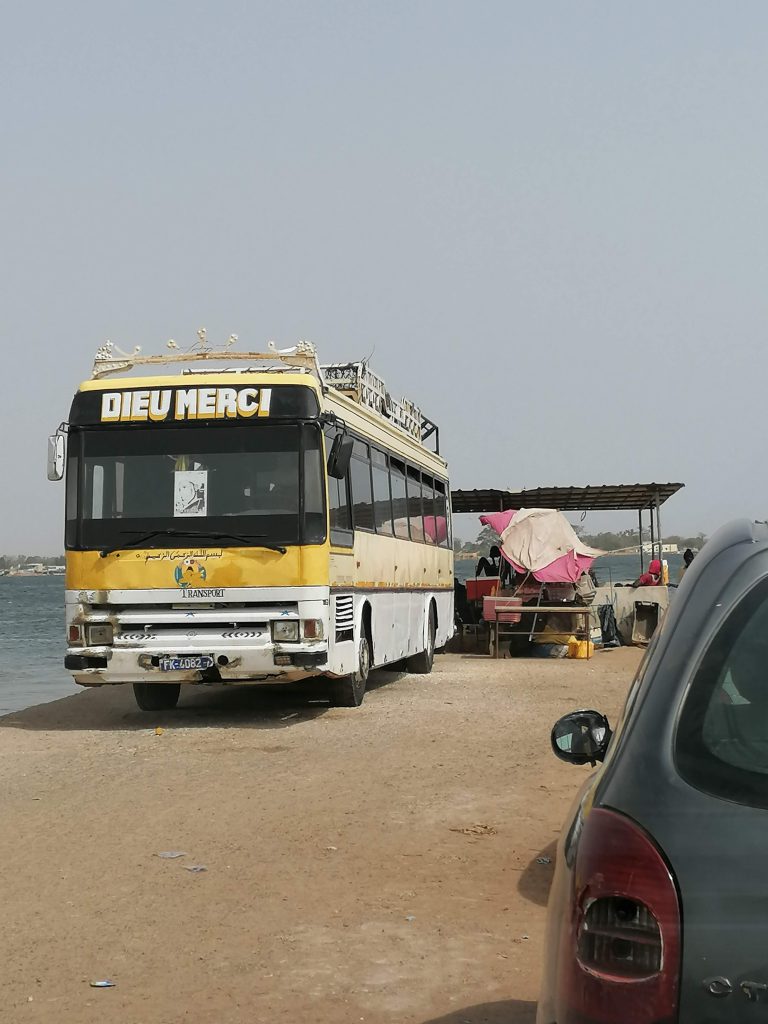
(159, 405)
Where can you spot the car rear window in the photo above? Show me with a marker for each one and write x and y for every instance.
(722, 736)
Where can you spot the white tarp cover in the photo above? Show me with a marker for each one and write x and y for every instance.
(537, 537)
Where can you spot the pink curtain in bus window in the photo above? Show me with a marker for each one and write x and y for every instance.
(436, 528)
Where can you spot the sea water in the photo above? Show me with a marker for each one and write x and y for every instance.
(32, 642)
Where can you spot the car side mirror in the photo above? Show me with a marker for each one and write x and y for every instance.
(341, 453)
(581, 737)
(56, 451)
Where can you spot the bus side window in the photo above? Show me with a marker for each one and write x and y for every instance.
(338, 502)
(314, 505)
(399, 498)
(382, 509)
(442, 518)
(73, 464)
(428, 506)
(414, 504)
(362, 495)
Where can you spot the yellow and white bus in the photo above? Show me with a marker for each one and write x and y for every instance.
(266, 523)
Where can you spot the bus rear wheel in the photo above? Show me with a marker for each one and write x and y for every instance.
(157, 696)
(349, 691)
(421, 664)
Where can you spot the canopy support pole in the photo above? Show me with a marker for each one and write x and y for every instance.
(640, 539)
(658, 522)
(653, 532)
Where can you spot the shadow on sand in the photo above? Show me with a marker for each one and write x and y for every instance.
(508, 1011)
(276, 706)
(535, 882)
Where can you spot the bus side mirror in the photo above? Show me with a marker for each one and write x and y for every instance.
(341, 453)
(56, 457)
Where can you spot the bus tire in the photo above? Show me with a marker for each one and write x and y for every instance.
(157, 696)
(349, 691)
(421, 663)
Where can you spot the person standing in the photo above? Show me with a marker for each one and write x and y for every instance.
(688, 557)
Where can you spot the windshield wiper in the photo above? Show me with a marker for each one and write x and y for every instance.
(205, 535)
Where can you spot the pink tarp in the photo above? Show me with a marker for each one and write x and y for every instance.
(541, 542)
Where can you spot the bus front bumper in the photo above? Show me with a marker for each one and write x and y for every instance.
(99, 666)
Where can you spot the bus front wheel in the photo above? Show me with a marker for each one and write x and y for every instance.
(349, 691)
(421, 663)
(157, 696)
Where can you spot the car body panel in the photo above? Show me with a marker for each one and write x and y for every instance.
(715, 847)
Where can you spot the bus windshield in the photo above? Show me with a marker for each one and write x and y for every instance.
(264, 482)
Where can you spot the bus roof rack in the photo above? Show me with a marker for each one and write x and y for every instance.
(359, 382)
(356, 380)
(109, 359)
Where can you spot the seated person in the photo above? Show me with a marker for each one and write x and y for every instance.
(652, 578)
(492, 566)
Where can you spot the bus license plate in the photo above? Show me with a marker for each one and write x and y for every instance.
(185, 662)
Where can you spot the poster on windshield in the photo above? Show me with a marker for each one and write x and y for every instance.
(190, 493)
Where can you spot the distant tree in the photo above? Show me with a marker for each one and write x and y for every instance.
(487, 538)
(608, 541)
(8, 561)
(695, 543)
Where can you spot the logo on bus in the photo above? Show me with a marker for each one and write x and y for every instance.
(190, 573)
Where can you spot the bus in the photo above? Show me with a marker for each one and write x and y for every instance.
(267, 521)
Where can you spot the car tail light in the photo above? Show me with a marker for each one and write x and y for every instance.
(620, 959)
(620, 937)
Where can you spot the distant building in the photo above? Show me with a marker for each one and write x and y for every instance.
(666, 549)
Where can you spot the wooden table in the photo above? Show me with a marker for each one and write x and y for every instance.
(545, 610)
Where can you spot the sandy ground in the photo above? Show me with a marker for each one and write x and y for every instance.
(339, 887)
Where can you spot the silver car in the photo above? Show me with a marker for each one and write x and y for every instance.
(658, 911)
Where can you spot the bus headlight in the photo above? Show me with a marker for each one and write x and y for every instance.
(285, 631)
(100, 634)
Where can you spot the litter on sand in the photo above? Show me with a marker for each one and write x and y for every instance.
(410, 917)
(543, 860)
(104, 983)
(195, 868)
(171, 854)
(476, 830)
(286, 717)
(159, 730)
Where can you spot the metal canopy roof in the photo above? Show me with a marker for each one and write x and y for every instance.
(607, 497)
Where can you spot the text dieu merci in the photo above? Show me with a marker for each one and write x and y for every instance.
(184, 404)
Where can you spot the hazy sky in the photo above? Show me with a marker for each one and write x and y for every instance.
(547, 220)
